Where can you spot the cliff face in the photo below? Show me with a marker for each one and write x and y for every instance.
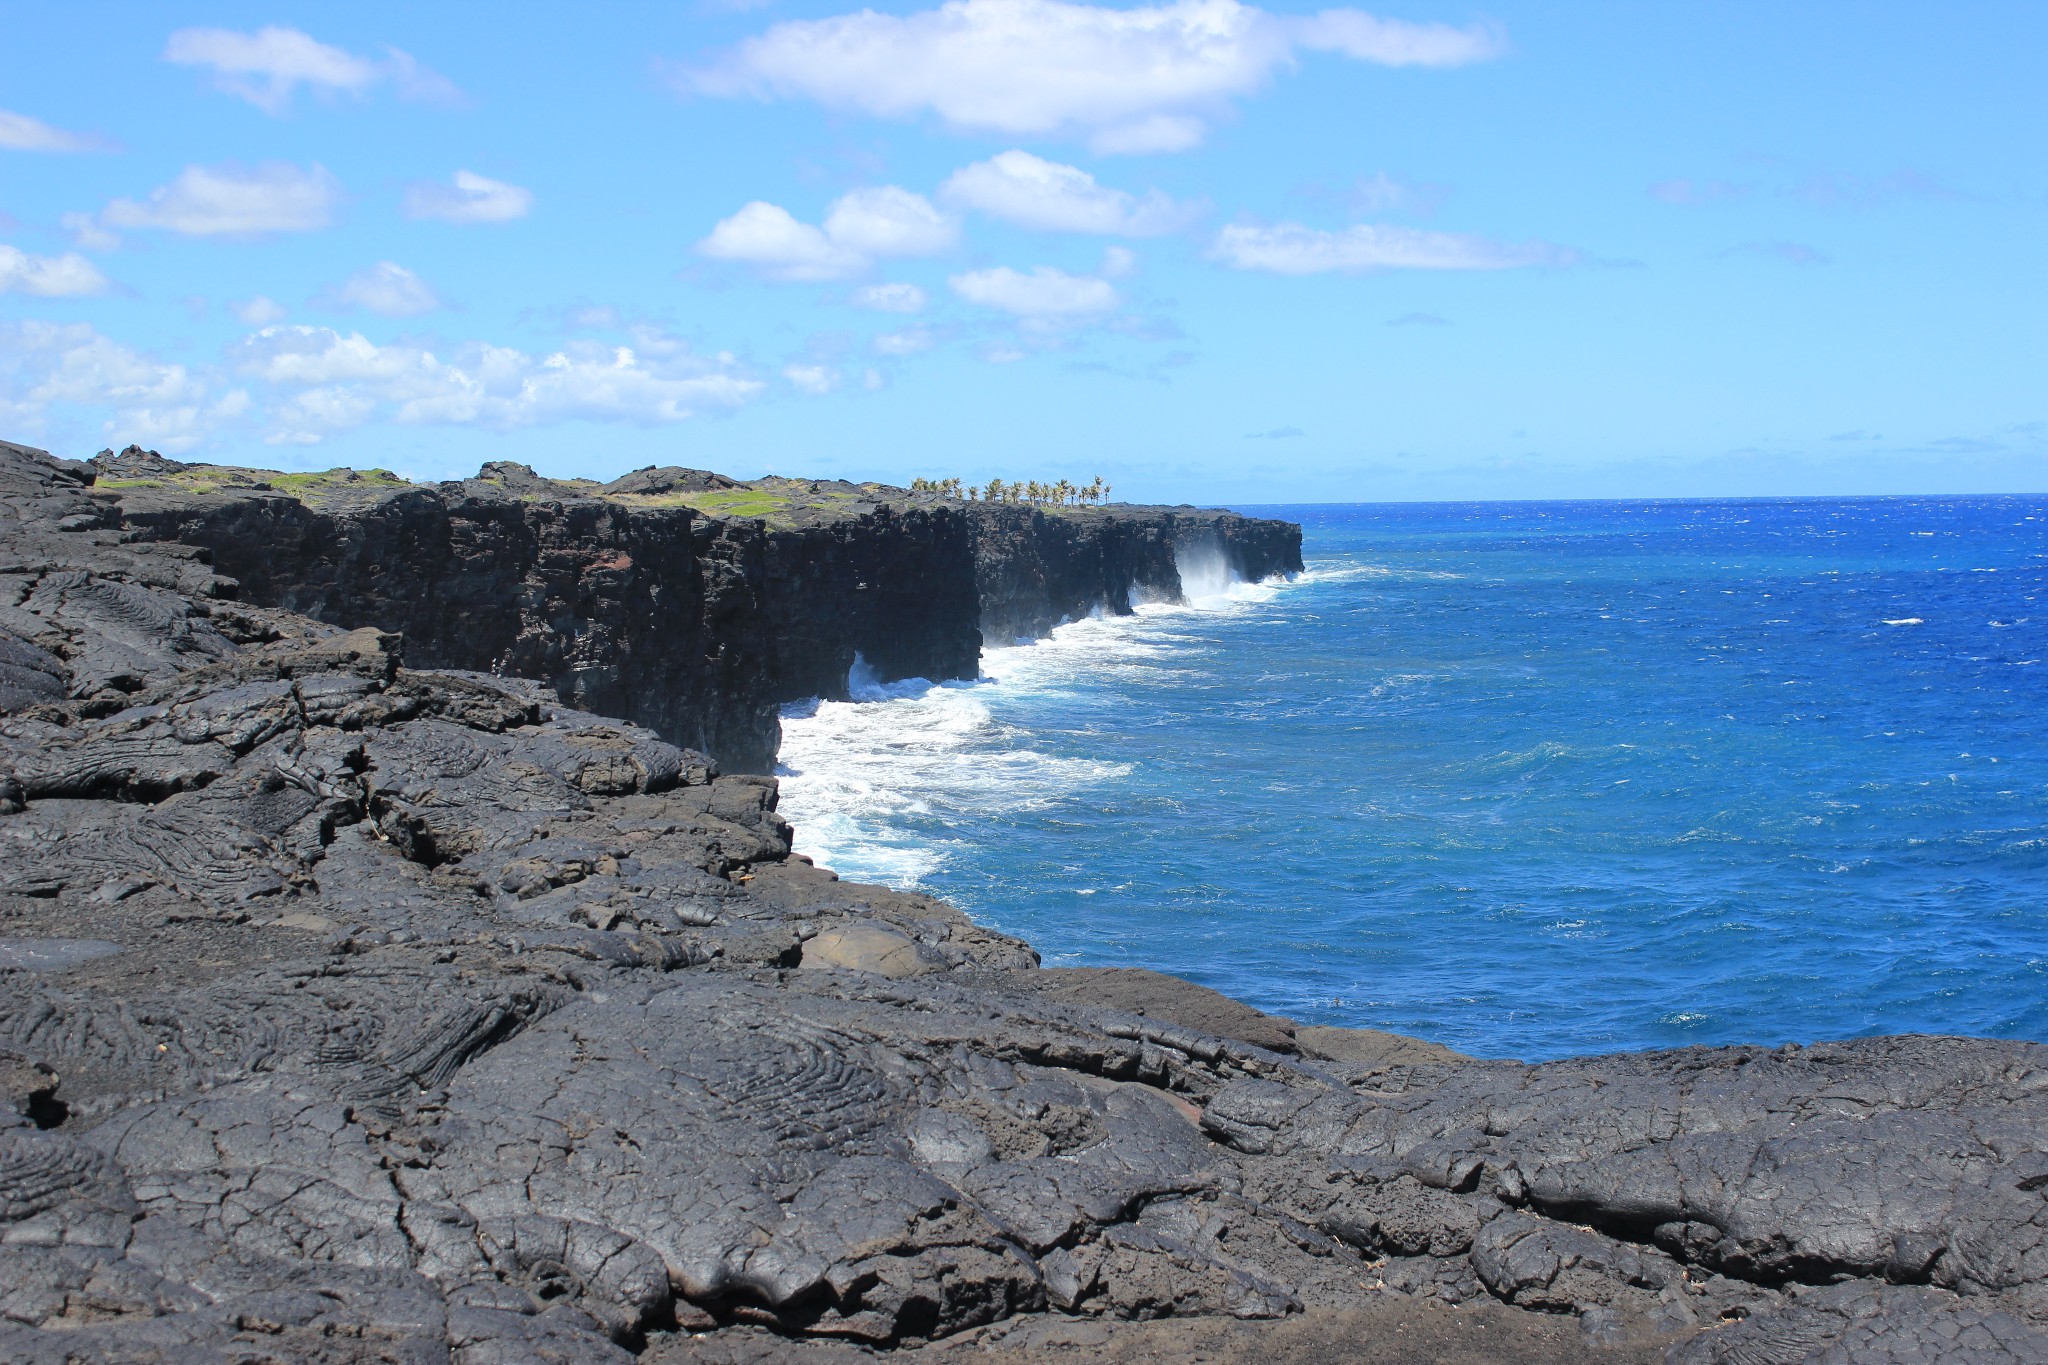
(696, 623)
(1034, 569)
(647, 614)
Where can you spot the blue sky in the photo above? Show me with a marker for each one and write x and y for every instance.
(1209, 251)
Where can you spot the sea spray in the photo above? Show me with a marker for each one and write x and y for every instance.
(1205, 570)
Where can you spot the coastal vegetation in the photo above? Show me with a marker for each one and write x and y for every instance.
(1035, 491)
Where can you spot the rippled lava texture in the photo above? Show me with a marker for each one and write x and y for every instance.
(350, 1012)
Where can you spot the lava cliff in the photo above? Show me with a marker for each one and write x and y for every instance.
(697, 621)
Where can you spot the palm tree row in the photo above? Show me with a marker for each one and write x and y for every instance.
(1061, 494)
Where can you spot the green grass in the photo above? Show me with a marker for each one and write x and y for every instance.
(765, 504)
(308, 488)
(775, 500)
(316, 488)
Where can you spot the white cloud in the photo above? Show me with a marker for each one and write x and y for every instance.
(306, 383)
(343, 381)
(257, 312)
(268, 66)
(859, 226)
(889, 221)
(232, 201)
(907, 342)
(1118, 261)
(1291, 249)
(1044, 293)
(49, 277)
(1035, 193)
(20, 133)
(306, 417)
(768, 237)
(419, 83)
(890, 298)
(1394, 42)
(87, 234)
(472, 198)
(814, 379)
(1144, 79)
(50, 365)
(388, 289)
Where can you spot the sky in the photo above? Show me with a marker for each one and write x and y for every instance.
(1207, 251)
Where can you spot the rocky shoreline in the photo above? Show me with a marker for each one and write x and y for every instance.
(677, 599)
(359, 1004)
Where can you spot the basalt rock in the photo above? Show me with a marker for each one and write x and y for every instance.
(678, 599)
(352, 1010)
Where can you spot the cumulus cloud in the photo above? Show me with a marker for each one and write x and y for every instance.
(814, 379)
(20, 133)
(389, 290)
(49, 277)
(257, 312)
(1144, 79)
(888, 221)
(267, 67)
(1045, 293)
(859, 227)
(1035, 193)
(306, 383)
(770, 238)
(890, 298)
(470, 198)
(1291, 249)
(234, 201)
(46, 366)
(338, 381)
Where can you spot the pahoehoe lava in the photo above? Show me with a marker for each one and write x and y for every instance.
(361, 1000)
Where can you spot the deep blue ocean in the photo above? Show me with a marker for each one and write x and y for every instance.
(1529, 779)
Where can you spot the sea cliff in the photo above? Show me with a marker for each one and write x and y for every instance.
(355, 1010)
(677, 599)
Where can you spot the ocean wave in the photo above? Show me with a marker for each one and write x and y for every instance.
(866, 780)
(1319, 574)
(857, 775)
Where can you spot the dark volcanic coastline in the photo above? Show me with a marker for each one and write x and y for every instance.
(634, 603)
(388, 973)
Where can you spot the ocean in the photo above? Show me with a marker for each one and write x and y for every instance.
(1527, 779)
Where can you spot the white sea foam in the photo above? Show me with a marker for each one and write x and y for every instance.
(871, 783)
(1351, 573)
